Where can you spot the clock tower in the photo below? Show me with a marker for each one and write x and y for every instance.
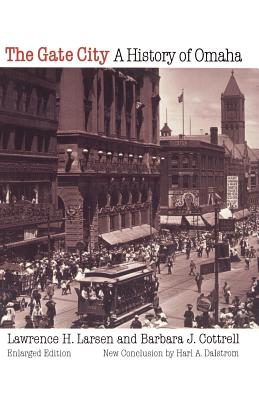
(233, 112)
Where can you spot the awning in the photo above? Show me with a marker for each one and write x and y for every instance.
(170, 219)
(209, 218)
(195, 220)
(241, 214)
(174, 220)
(128, 234)
(225, 213)
(163, 219)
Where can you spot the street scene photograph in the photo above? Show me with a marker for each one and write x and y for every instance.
(129, 198)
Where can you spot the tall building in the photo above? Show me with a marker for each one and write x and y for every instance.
(28, 159)
(108, 147)
(233, 112)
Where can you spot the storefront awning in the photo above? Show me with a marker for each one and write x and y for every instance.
(241, 214)
(127, 234)
(163, 219)
(225, 213)
(195, 220)
(174, 220)
(209, 218)
(170, 219)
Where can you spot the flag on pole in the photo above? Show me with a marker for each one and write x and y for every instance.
(180, 98)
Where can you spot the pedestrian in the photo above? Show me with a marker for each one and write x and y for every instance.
(29, 323)
(247, 261)
(188, 317)
(136, 324)
(226, 292)
(192, 268)
(156, 303)
(68, 287)
(208, 250)
(63, 288)
(37, 315)
(50, 291)
(51, 312)
(199, 278)
(169, 266)
(158, 270)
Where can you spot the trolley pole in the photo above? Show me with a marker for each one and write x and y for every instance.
(216, 234)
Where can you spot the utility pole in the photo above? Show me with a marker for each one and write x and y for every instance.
(49, 243)
(216, 234)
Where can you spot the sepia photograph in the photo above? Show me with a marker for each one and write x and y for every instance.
(129, 198)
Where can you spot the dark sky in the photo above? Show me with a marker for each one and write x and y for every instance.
(202, 91)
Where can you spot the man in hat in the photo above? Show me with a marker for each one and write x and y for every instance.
(199, 279)
(37, 315)
(51, 311)
(136, 324)
(188, 317)
(192, 268)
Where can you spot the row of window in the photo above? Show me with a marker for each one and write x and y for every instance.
(18, 192)
(123, 224)
(193, 182)
(24, 140)
(207, 162)
(25, 98)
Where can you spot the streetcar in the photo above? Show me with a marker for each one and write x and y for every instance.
(110, 296)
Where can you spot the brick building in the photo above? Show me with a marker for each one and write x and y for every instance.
(108, 147)
(191, 169)
(28, 159)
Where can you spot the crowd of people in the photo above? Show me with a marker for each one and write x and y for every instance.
(238, 313)
(58, 271)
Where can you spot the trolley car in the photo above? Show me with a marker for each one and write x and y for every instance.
(110, 296)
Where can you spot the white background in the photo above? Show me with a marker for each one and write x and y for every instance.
(161, 25)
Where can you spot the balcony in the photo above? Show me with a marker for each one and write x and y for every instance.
(100, 167)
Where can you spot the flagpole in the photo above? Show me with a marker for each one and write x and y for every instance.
(183, 110)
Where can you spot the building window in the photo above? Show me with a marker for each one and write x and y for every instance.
(18, 140)
(28, 141)
(175, 180)
(195, 181)
(186, 181)
(40, 143)
(133, 219)
(174, 162)
(123, 221)
(194, 162)
(112, 223)
(185, 162)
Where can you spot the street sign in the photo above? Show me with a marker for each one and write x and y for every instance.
(203, 304)
(224, 265)
(227, 225)
(207, 268)
(232, 191)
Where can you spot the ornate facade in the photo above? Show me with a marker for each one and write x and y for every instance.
(108, 147)
(28, 160)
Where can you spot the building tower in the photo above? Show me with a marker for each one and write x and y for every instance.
(233, 112)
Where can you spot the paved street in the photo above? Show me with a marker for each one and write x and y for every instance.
(175, 291)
